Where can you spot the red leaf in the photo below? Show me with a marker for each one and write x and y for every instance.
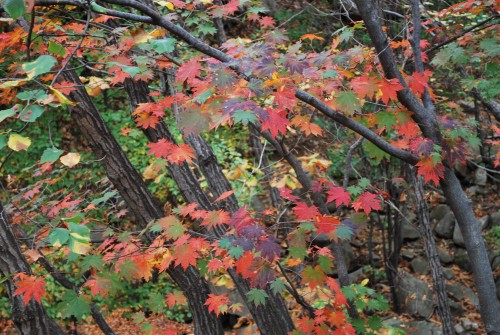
(224, 196)
(339, 195)
(418, 81)
(429, 170)
(189, 70)
(276, 123)
(244, 265)
(98, 285)
(217, 303)
(175, 154)
(176, 297)
(185, 255)
(390, 89)
(367, 202)
(364, 86)
(266, 22)
(305, 125)
(327, 224)
(287, 194)
(216, 218)
(304, 212)
(313, 276)
(30, 287)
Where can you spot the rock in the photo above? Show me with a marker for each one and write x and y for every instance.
(455, 308)
(439, 212)
(497, 284)
(320, 240)
(444, 256)
(459, 292)
(480, 177)
(423, 328)
(494, 220)
(349, 256)
(415, 295)
(446, 226)
(420, 266)
(409, 232)
(494, 257)
(408, 254)
(468, 324)
(256, 204)
(484, 222)
(462, 259)
(459, 329)
(458, 239)
(355, 277)
(448, 273)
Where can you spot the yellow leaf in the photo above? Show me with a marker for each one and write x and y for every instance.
(364, 282)
(70, 159)
(95, 85)
(167, 4)
(12, 83)
(61, 97)
(18, 142)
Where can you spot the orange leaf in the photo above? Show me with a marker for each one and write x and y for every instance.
(217, 303)
(30, 287)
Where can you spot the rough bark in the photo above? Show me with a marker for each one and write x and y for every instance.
(271, 318)
(461, 206)
(438, 281)
(32, 318)
(141, 203)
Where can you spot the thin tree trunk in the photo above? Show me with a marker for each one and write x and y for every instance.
(139, 200)
(438, 281)
(30, 319)
(461, 206)
(271, 318)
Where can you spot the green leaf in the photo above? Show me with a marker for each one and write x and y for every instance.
(155, 302)
(3, 141)
(73, 305)
(56, 49)
(104, 198)
(163, 46)
(9, 112)
(131, 70)
(201, 98)
(278, 286)
(491, 47)
(58, 237)
(32, 95)
(50, 155)
(298, 252)
(244, 117)
(98, 8)
(342, 232)
(374, 322)
(41, 65)
(348, 102)
(236, 252)
(330, 74)
(325, 263)
(91, 262)
(257, 296)
(15, 8)
(207, 29)
(31, 113)
(79, 241)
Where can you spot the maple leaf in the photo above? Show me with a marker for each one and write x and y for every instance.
(266, 22)
(311, 37)
(327, 224)
(214, 265)
(224, 196)
(276, 122)
(313, 276)
(348, 102)
(176, 297)
(430, 170)
(174, 153)
(365, 86)
(244, 265)
(217, 304)
(389, 89)
(99, 285)
(367, 202)
(339, 195)
(293, 65)
(30, 287)
(268, 247)
(305, 212)
(305, 125)
(185, 255)
(418, 81)
(287, 194)
(189, 70)
(215, 218)
(285, 98)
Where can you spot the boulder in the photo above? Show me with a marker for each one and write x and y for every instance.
(494, 219)
(480, 177)
(409, 232)
(444, 256)
(458, 239)
(439, 212)
(420, 266)
(446, 225)
(462, 259)
(448, 273)
(459, 292)
(415, 296)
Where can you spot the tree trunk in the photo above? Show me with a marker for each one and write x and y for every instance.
(32, 318)
(461, 206)
(139, 200)
(425, 229)
(271, 318)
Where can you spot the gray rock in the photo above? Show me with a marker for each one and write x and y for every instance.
(484, 222)
(494, 219)
(420, 266)
(494, 257)
(462, 259)
(439, 212)
(349, 256)
(459, 329)
(480, 177)
(458, 239)
(468, 324)
(448, 273)
(423, 328)
(415, 295)
(455, 308)
(446, 226)
(409, 232)
(444, 256)
(459, 292)
(355, 277)
(408, 254)
(497, 284)
(320, 240)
